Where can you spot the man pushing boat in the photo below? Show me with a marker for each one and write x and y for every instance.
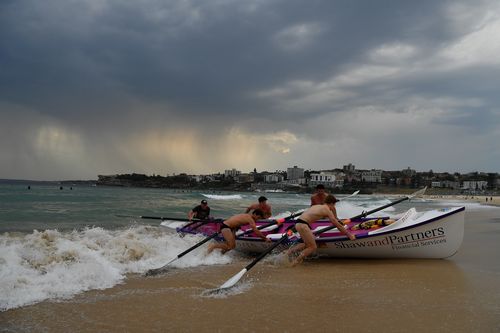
(231, 225)
(303, 226)
(261, 205)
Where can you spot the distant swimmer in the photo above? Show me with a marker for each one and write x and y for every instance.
(303, 226)
(202, 211)
(231, 225)
(318, 198)
(263, 206)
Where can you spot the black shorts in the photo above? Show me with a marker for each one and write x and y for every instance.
(224, 226)
(303, 222)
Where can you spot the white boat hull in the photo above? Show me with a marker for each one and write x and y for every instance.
(433, 234)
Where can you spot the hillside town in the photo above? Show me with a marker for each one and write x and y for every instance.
(298, 179)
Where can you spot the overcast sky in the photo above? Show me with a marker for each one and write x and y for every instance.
(92, 87)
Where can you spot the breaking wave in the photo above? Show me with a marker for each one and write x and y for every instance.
(223, 197)
(53, 265)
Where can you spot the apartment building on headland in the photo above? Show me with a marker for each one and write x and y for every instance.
(298, 178)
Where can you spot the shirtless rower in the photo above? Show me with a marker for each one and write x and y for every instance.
(303, 226)
(318, 198)
(231, 225)
(263, 206)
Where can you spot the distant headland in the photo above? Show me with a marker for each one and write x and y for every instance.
(299, 180)
(295, 179)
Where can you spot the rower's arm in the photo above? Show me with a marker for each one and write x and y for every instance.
(340, 226)
(251, 207)
(257, 231)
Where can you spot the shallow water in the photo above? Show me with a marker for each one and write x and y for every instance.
(94, 271)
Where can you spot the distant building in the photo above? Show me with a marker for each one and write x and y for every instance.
(295, 173)
(328, 179)
(409, 172)
(231, 173)
(244, 178)
(273, 178)
(474, 185)
(372, 176)
(325, 178)
(450, 184)
(349, 168)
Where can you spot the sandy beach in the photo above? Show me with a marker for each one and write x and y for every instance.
(459, 294)
(482, 199)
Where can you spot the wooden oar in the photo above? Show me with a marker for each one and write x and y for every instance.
(234, 279)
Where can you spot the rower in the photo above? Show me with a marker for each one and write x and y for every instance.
(201, 212)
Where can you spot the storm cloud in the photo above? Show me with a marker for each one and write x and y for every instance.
(101, 87)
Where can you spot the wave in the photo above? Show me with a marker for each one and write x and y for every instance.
(223, 197)
(54, 265)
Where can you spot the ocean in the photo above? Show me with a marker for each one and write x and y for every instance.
(58, 243)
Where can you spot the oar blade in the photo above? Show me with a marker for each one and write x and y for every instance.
(233, 280)
(155, 271)
(159, 270)
(355, 193)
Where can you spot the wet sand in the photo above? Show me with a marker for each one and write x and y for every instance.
(459, 294)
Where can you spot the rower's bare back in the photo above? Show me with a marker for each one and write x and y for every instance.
(239, 220)
(317, 212)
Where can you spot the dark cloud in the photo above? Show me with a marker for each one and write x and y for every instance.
(203, 57)
(110, 70)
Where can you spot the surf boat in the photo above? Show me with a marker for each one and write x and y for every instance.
(431, 234)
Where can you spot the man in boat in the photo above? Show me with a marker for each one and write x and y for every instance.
(318, 198)
(202, 211)
(263, 206)
(231, 225)
(303, 226)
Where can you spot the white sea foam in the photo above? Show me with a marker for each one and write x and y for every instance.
(223, 197)
(51, 264)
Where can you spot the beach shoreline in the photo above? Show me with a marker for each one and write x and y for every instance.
(459, 294)
(489, 200)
